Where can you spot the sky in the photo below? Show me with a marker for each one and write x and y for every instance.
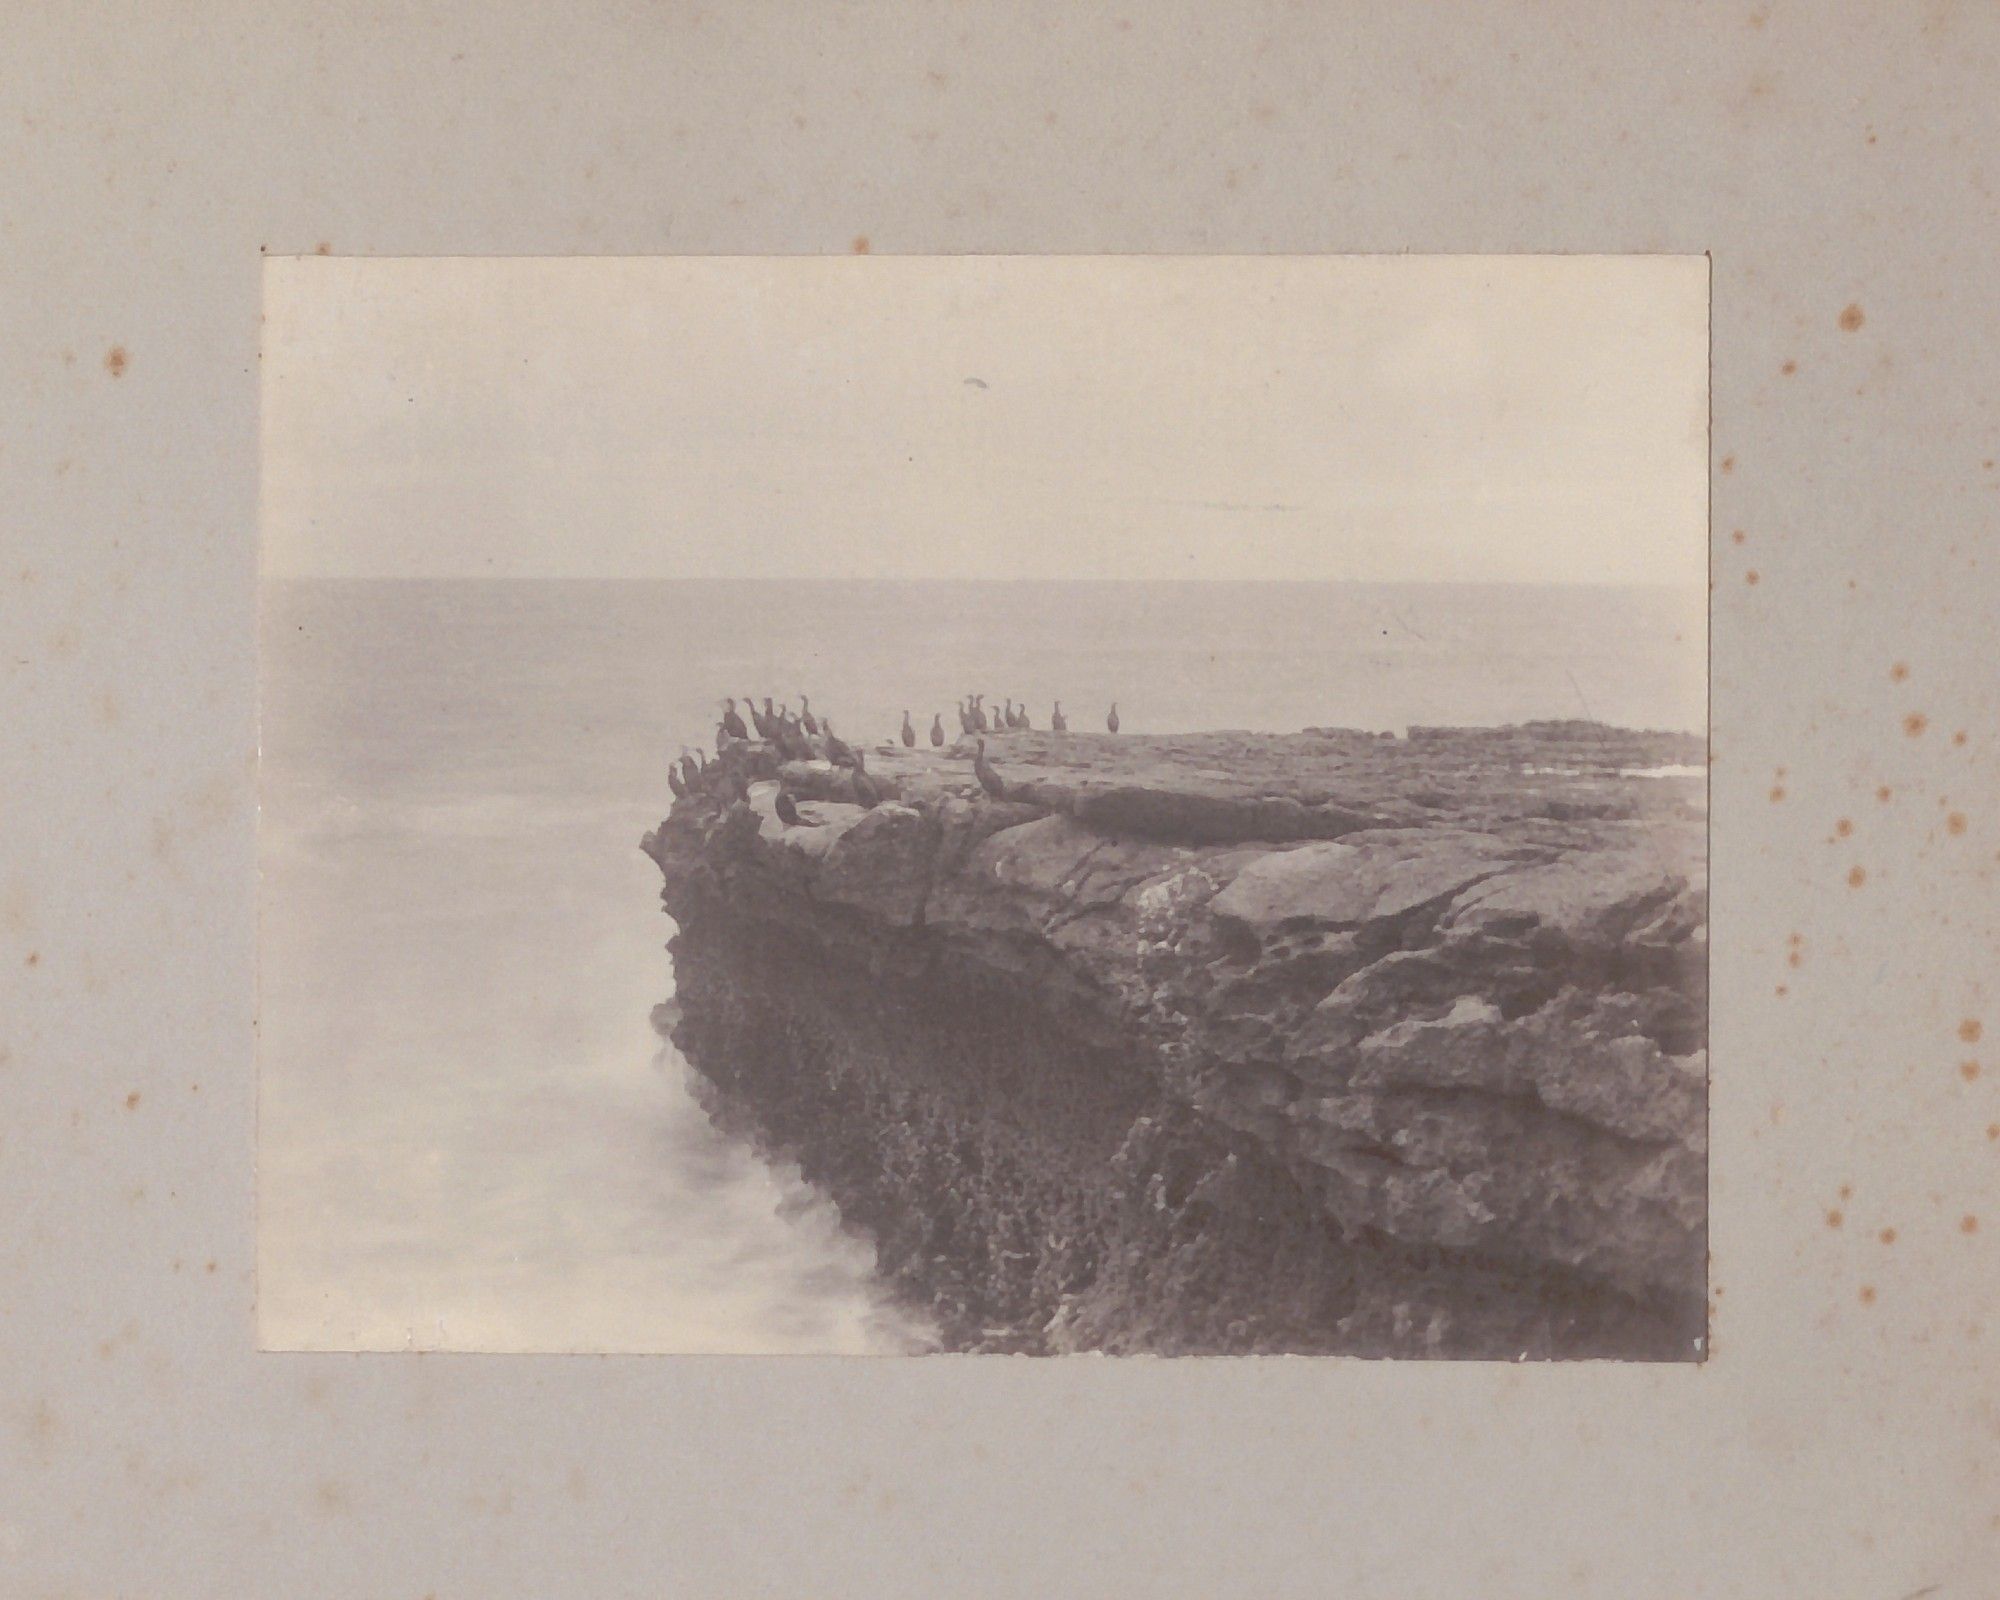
(1370, 418)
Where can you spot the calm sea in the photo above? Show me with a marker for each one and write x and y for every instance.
(469, 1136)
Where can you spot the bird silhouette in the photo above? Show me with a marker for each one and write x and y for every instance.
(788, 811)
(909, 733)
(937, 728)
(978, 713)
(965, 716)
(838, 750)
(675, 781)
(1111, 721)
(1058, 721)
(989, 780)
(806, 718)
(866, 794)
(732, 721)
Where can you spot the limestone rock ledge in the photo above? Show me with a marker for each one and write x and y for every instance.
(1328, 1042)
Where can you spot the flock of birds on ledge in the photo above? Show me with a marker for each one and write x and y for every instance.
(802, 736)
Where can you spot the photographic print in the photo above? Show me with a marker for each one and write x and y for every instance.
(1032, 805)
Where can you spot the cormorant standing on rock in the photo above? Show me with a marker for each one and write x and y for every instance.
(690, 769)
(1006, 719)
(806, 719)
(989, 780)
(909, 732)
(788, 811)
(1021, 717)
(838, 750)
(1111, 721)
(866, 795)
(675, 782)
(978, 714)
(937, 729)
(732, 721)
(965, 716)
(1059, 722)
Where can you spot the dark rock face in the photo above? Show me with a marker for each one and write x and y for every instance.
(1329, 1042)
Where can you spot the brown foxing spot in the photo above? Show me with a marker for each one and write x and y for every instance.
(1868, 1294)
(1777, 792)
(1847, 1191)
(1750, 576)
(115, 361)
(132, 1101)
(860, 245)
(1968, 1070)
(1789, 368)
(1834, 1218)
(1887, 1235)
(1884, 793)
(1970, 1029)
(1739, 536)
(1728, 463)
(1856, 877)
(1795, 958)
(1968, 1223)
(1955, 823)
(1958, 737)
(1899, 672)
(1843, 828)
(1993, 1131)
(1851, 319)
(34, 958)
(1783, 991)
(1915, 723)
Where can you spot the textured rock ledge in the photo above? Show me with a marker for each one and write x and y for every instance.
(1230, 1042)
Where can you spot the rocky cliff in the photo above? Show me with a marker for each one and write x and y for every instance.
(1228, 1042)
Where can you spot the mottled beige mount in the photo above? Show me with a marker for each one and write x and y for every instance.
(1453, 985)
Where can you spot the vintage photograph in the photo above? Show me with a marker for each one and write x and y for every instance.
(1010, 805)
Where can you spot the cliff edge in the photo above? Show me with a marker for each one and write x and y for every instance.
(1228, 1042)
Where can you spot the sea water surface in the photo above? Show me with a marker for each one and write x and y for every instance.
(469, 1135)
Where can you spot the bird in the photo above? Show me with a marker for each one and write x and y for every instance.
(978, 714)
(937, 729)
(788, 811)
(806, 718)
(732, 721)
(762, 720)
(989, 780)
(1021, 717)
(1058, 721)
(866, 794)
(675, 782)
(838, 750)
(909, 732)
(965, 716)
(1111, 721)
(690, 768)
(1007, 713)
